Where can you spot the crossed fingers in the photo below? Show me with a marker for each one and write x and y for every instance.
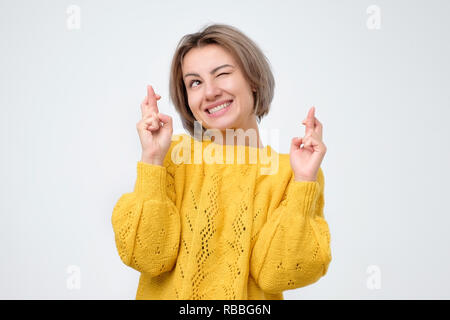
(149, 108)
(313, 125)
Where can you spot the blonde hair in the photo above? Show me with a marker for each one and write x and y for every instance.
(253, 63)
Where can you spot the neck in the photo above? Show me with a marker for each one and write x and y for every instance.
(254, 140)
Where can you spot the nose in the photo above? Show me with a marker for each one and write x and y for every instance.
(212, 91)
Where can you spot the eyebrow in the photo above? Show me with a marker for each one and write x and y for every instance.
(211, 72)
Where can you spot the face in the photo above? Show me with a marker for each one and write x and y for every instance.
(213, 78)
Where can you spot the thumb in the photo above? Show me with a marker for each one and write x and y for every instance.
(296, 143)
(166, 120)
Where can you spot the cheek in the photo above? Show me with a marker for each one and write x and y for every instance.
(194, 103)
(236, 86)
(231, 85)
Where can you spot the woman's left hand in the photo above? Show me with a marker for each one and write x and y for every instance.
(306, 160)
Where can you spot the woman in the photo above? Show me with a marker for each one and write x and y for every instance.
(199, 230)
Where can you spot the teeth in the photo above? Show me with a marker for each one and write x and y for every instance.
(215, 109)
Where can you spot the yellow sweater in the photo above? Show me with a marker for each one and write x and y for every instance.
(221, 231)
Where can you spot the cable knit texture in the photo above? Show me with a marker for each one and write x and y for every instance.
(221, 230)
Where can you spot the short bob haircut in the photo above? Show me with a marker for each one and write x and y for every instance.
(252, 62)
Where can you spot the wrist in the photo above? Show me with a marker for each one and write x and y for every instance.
(153, 161)
(303, 179)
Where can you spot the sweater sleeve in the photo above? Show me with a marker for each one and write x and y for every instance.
(146, 222)
(293, 247)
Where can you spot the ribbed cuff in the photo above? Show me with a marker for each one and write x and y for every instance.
(303, 195)
(150, 181)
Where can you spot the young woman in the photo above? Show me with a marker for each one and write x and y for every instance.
(223, 230)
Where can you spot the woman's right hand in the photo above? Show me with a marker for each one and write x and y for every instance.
(155, 137)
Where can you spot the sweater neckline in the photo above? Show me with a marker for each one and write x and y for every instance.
(236, 146)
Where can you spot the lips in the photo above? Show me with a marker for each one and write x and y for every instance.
(220, 112)
(216, 104)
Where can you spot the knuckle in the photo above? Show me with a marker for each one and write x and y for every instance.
(148, 117)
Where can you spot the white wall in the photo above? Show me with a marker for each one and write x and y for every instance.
(69, 103)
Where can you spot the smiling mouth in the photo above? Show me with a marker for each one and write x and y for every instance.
(219, 108)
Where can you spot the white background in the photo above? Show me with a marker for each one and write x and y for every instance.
(70, 101)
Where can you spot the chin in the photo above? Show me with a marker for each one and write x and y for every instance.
(223, 126)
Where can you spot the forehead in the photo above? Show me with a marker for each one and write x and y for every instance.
(206, 58)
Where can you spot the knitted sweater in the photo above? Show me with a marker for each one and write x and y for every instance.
(221, 231)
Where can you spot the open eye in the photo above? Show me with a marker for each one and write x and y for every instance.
(192, 82)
